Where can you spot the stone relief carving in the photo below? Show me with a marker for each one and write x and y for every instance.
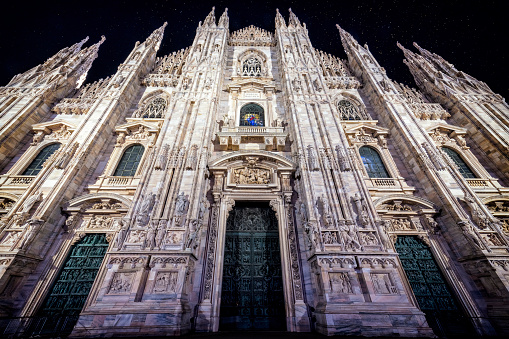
(181, 206)
(122, 232)
(30, 202)
(435, 157)
(362, 209)
(147, 204)
(330, 238)
(31, 229)
(251, 176)
(344, 164)
(478, 215)
(368, 238)
(397, 206)
(174, 238)
(62, 133)
(401, 225)
(165, 282)
(382, 283)
(312, 159)
(192, 158)
(340, 283)
(121, 283)
(100, 221)
(162, 158)
(161, 231)
(65, 157)
(137, 237)
(348, 236)
(10, 238)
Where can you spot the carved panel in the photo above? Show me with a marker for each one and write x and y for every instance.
(166, 282)
(382, 283)
(340, 283)
(121, 283)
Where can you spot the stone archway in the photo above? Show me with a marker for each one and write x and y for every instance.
(268, 179)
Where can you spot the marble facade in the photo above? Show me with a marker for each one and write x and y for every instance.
(338, 225)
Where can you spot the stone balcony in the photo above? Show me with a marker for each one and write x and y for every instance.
(16, 180)
(385, 185)
(117, 184)
(252, 137)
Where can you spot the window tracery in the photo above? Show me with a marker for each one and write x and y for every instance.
(373, 163)
(252, 67)
(349, 111)
(36, 165)
(252, 115)
(130, 161)
(153, 110)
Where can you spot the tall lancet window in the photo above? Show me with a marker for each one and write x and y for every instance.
(348, 111)
(252, 67)
(155, 109)
(36, 165)
(462, 166)
(130, 160)
(373, 163)
(252, 115)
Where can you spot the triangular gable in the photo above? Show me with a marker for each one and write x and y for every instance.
(367, 127)
(449, 129)
(47, 127)
(135, 125)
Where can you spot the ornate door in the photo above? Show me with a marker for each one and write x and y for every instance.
(252, 290)
(69, 293)
(430, 288)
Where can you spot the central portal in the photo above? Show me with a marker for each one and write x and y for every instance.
(252, 290)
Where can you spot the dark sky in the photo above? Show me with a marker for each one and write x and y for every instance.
(472, 35)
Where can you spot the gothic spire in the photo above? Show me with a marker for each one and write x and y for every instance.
(89, 55)
(210, 20)
(156, 37)
(294, 21)
(347, 40)
(280, 21)
(67, 61)
(224, 20)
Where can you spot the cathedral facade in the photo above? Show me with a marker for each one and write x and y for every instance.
(252, 182)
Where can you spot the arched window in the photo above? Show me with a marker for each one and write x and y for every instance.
(465, 171)
(252, 115)
(36, 165)
(373, 163)
(130, 160)
(155, 109)
(348, 111)
(252, 67)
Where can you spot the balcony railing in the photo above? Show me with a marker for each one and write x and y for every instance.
(16, 180)
(479, 183)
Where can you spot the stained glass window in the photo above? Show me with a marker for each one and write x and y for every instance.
(252, 115)
(130, 160)
(373, 163)
(465, 171)
(252, 67)
(36, 165)
(348, 111)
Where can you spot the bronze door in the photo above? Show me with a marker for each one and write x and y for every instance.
(252, 290)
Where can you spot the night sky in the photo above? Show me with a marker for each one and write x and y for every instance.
(472, 35)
